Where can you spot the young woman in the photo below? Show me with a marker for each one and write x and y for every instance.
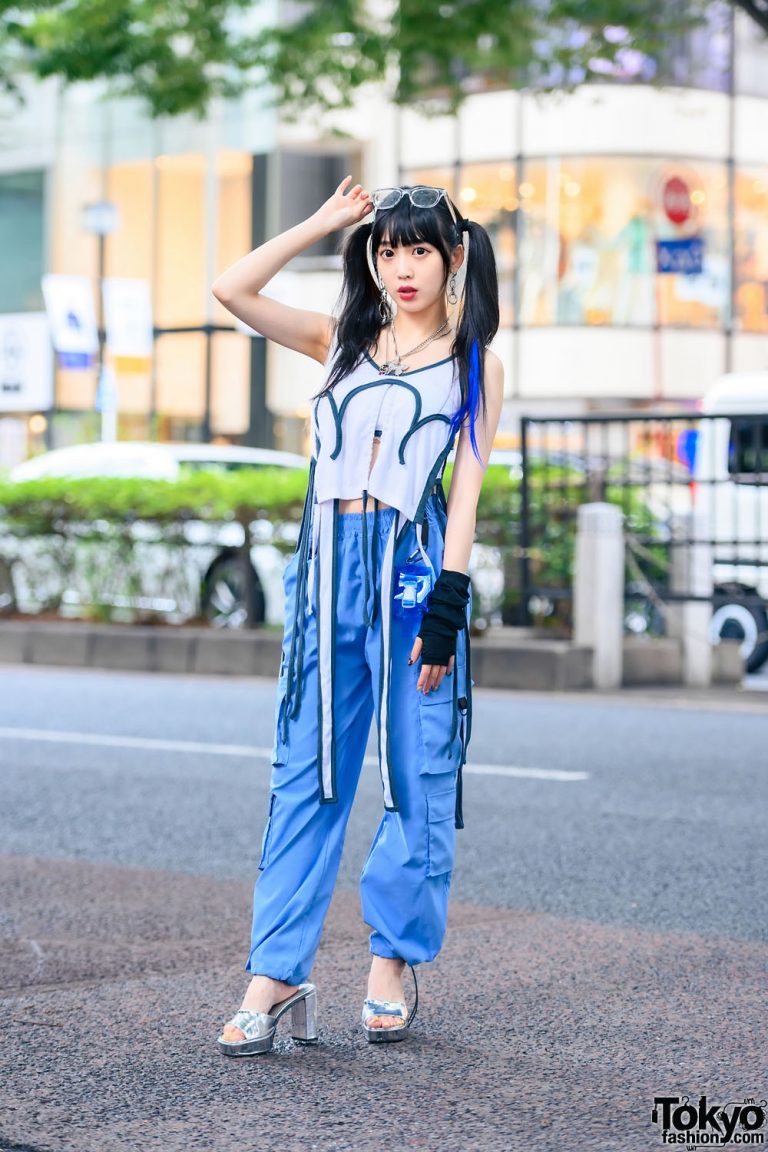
(377, 599)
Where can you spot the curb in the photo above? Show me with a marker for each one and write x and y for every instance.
(508, 658)
(133, 648)
(501, 662)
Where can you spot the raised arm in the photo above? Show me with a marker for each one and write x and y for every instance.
(239, 288)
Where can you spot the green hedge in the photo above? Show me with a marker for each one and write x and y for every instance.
(102, 511)
(39, 507)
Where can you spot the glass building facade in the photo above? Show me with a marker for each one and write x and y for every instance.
(577, 191)
(586, 195)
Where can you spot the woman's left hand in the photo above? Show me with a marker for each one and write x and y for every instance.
(431, 675)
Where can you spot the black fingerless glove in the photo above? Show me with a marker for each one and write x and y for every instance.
(445, 617)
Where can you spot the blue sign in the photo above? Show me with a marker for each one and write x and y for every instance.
(680, 257)
(76, 360)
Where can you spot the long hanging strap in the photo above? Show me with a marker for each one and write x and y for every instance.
(326, 649)
(374, 557)
(366, 579)
(390, 799)
(466, 732)
(316, 524)
(423, 551)
(414, 1010)
(295, 666)
(370, 579)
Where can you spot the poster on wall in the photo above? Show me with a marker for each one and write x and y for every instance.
(128, 318)
(26, 363)
(72, 318)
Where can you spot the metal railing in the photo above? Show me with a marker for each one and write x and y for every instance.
(681, 479)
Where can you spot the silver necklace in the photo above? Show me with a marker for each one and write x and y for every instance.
(395, 367)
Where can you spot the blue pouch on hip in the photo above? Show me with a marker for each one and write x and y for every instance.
(413, 583)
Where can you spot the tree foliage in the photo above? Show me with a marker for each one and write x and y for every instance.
(179, 54)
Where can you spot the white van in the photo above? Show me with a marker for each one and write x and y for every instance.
(731, 474)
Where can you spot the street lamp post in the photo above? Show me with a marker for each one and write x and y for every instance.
(101, 219)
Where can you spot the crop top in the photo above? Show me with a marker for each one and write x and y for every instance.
(413, 413)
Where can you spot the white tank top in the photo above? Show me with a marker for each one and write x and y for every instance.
(413, 414)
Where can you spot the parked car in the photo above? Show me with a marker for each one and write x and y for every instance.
(154, 461)
(210, 581)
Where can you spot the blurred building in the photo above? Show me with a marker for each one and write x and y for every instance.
(577, 191)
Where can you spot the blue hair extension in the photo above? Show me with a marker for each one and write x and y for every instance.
(472, 402)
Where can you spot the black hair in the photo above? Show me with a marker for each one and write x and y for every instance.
(359, 316)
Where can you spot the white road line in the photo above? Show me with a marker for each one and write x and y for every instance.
(148, 744)
(103, 740)
(509, 770)
(529, 773)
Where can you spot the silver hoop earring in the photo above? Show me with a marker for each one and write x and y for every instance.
(452, 297)
(385, 312)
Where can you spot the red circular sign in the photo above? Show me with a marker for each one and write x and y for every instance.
(677, 200)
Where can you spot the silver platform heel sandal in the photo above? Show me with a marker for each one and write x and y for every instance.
(373, 1008)
(259, 1027)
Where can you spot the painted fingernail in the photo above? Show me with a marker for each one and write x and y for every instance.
(409, 661)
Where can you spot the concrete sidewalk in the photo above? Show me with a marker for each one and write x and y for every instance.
(534, 1032)
(507, 658)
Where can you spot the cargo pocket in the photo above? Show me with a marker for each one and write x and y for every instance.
(265, 840)
(441, 832)
(280, 745)
(441, 752)
(438, 771)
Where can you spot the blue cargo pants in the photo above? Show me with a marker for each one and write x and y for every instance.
(406, 878)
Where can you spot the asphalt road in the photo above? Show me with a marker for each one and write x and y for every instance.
(608, 936)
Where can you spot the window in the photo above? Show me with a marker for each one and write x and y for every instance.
(180, 385)
(748, 450)
(488, 195)
(21, 241)
(590, 229)
(128, 250)
(181, 289)
(230, 383)
(751, 56)
(233, 227)
(306, 180)
(751, 251)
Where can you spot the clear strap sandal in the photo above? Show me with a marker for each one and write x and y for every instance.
(372, 1008)
(259, 1027)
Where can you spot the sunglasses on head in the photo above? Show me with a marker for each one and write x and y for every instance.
(421, 197)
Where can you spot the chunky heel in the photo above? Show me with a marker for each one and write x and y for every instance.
(259, 1028)
(304, 1020)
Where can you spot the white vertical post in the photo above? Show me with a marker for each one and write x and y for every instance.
(691, 574)
(598, 590)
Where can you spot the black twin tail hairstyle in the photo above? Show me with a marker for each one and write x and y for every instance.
(358, 309)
